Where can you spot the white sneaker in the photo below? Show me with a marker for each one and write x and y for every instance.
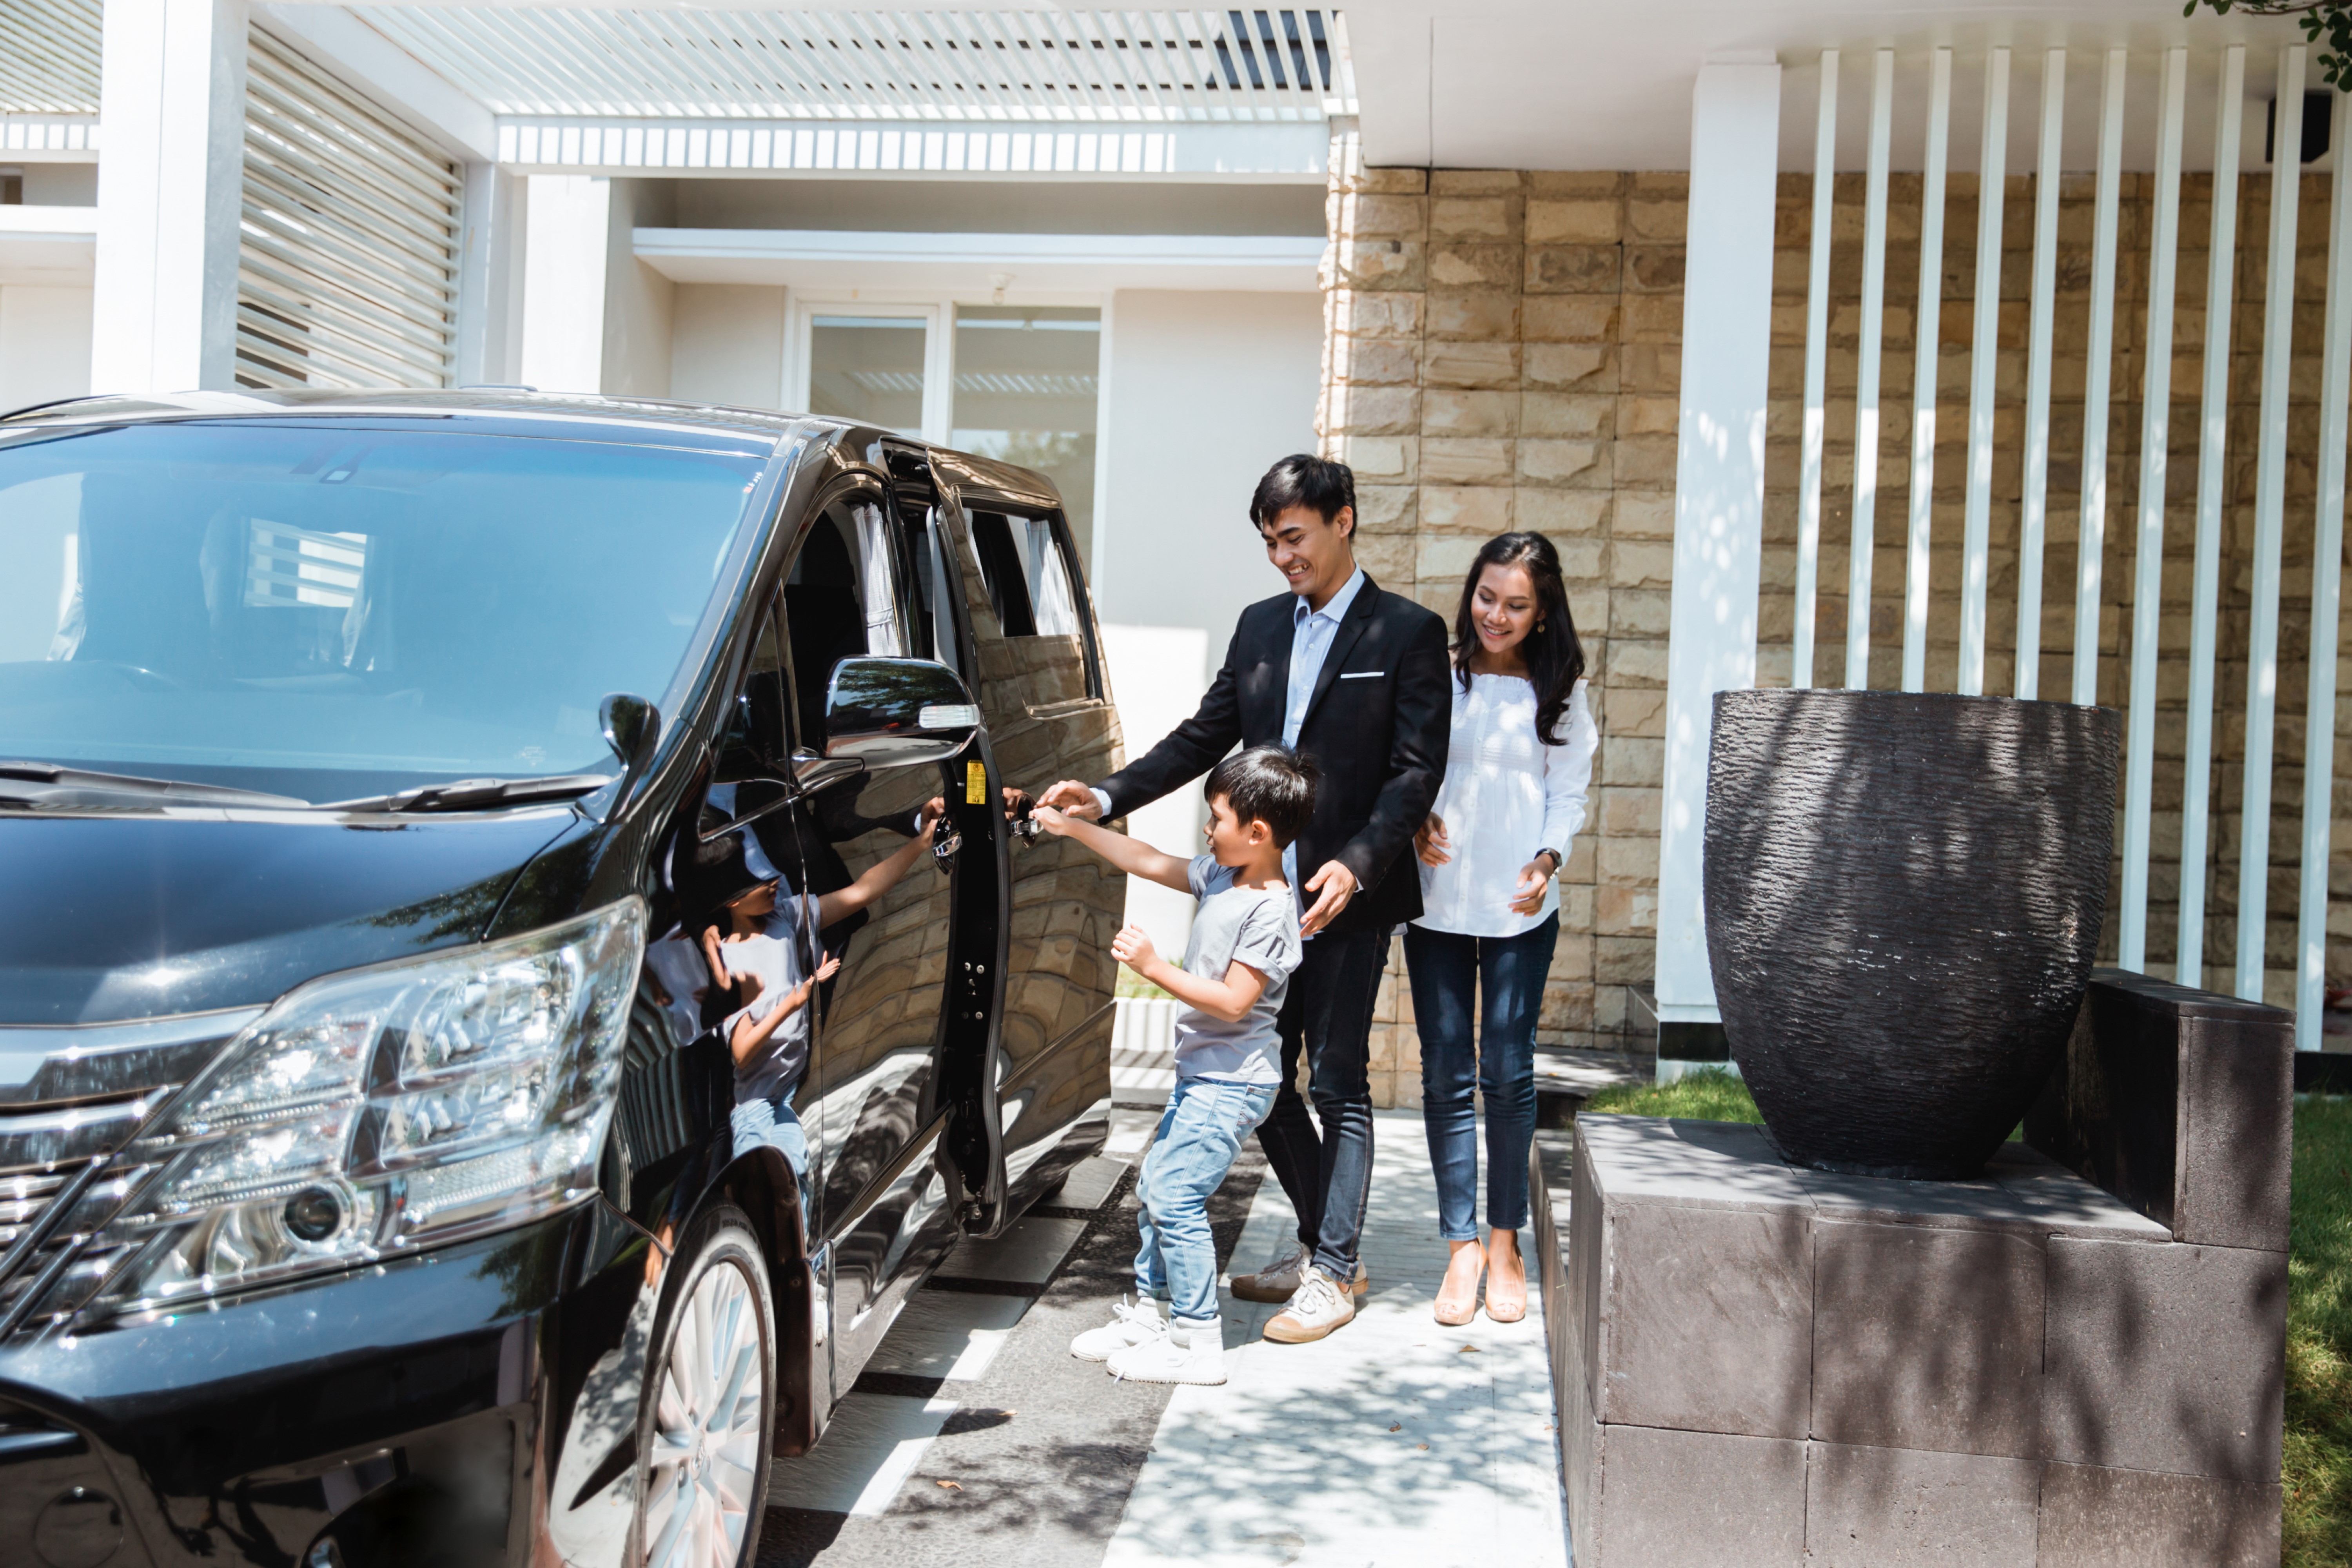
(1278, 1282)
(1131, 1323)
(1179, 1352)
(1319, 1306)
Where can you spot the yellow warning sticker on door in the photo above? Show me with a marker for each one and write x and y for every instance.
(976, 784)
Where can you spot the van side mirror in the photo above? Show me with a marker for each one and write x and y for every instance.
(896, 712)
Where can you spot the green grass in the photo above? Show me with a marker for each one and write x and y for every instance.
(1707, 1096)
(2318, 1452)
(2318, 1474)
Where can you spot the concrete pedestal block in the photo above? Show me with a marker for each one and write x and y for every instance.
(2093, 1517)
(1895, 1508)
(1927, 1337)
(2165, 1358)
(1760, 1365)
(2178, 1102)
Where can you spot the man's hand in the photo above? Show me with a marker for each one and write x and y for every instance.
(1074, 797)
(1334, 886)
(1430, 843)
(1132, 946)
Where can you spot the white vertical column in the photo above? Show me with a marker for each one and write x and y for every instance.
(2213, 445)
(1865, 398)
(1926, 329)
(2327, 603)
(489, 276)
(1718, 483)
(1816, 346)
(2034, 506)
(2270, 513)
(567, 221)
(169, 197)
(1976, 538)
(2147, 583)
(2090, 525)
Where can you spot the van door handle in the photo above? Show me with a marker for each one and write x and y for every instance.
(943, 851)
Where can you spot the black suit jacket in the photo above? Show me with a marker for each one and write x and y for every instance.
(1376, 727)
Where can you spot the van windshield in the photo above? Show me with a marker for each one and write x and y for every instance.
(328, 613)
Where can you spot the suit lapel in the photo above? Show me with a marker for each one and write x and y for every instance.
(1359, 616)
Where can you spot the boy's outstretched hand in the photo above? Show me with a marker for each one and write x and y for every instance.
(1051, 819)
(1132, 947)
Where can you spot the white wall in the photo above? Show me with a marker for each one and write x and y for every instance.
(1207, 392)
(726, 344)
(44, 344)
(638, 308)
(1157, 677)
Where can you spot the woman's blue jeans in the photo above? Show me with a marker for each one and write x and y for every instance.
(1506, 974)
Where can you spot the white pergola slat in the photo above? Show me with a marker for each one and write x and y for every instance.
(1073, 66)
(49, 56)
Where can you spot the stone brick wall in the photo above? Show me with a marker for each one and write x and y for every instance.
(1502, 351)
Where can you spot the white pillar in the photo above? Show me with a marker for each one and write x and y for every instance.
(170, 190)
(489, 277)
(567, 222)
(1718, 483)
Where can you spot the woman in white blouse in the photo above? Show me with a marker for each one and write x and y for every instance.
(1515, 779)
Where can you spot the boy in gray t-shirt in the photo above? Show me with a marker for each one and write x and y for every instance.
(1237, 965)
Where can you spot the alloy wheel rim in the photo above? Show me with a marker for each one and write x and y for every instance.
(709, 1409)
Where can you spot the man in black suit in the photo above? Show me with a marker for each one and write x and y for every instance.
(1356, 678)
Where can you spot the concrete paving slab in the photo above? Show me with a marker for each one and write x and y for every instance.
(1394, 1441)
(873, 1444)
(1090, 1184)
(1026, 1254)
(949, 1334)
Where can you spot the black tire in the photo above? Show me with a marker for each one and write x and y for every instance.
(701, 1448)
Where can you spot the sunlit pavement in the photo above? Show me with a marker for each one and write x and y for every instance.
(974, 1437)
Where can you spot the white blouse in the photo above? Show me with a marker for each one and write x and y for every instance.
(1507, 795)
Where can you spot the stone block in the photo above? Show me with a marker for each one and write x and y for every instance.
(1574, 221)
(1452, 412)
(1654, 268)
(1359, 410)
(2165, 1358)
(1644, 515)
(1457, 264)
(2093, 1517)
(1472, 182)
(2179, 1102)
(1572, 269)
(1466, 460)
(1486, 317)
(1571, 518)
(1705, 1319)
(1483, 510)
(1569, 318)
(1582, 464)
(1375, 315)
(1582, 415)
(1925, 1337)
(1472, 217)
(1587, 367)
(1692, 1500)
(1375, 362)
(1375, 264)
(1481, 364)
(1381, 216)
(1900, 1507)
(1387, 508)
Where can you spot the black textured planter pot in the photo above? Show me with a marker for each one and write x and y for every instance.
(1904, 898)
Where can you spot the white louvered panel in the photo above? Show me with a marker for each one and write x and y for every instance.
(1011, 66)
(49, 56)
(347, 270)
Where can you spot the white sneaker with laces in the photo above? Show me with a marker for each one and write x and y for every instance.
(1131, 1323)
(1180, 1353)
(1278, 1282)
(1319, 1306)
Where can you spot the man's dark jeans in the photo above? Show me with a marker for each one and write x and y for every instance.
(1329, 1016)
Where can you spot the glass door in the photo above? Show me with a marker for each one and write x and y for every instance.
(878, 365)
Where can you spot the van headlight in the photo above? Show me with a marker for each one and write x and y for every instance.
(382, 1109)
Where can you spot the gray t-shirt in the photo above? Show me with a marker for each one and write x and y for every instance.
(778, 957)
(1260, 928)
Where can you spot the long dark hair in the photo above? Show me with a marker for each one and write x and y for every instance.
(1554, 655)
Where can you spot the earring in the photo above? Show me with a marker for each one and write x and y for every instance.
(1539, 626)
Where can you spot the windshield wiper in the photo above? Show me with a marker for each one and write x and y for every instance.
(472, 795)
(46, 786)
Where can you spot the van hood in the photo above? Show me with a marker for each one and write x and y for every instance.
(105, 918)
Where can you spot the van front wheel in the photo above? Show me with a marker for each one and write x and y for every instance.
(708, 1418)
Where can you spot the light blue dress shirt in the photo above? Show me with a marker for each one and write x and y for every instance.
(1311, 644)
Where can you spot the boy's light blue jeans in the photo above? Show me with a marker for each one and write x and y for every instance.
(776, 1125)
(1200, 1133)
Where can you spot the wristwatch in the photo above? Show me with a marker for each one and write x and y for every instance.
(1558, 859)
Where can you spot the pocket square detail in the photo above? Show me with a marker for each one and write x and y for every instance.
(1364, 675)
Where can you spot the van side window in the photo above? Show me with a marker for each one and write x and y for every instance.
(841, 601)
(1027, 573)
(929, 617)
(755, 745)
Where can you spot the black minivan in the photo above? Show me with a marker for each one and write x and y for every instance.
(376, 771)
